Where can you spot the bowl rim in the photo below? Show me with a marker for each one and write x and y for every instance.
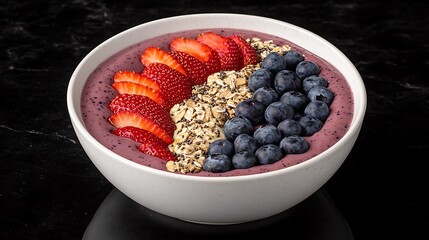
(74, 104)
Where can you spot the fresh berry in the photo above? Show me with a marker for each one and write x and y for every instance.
(298, 115)
(267, 134)
(310, 125)
(245, 142)
(243, 160)
(277, 112)
(313, 81)
(175, 86)
(322, 94)
(294, 144)
(274, 62)
(157, 55)
(146, 107)
(221, 146)
(198, 50)
(250, 109)
(131, 76)
(156, 150)
(195, 69)
(138, 135)
(307, 68)
(289, 127)
(286, 80)
(236, 126)
(317, 109)
(250, 56)
(260, 78)
(292, 58)
(268, 154)
(266, 96)
(217, 163)
(137, 89)
(297, 100)
(228, 51)
(124, 119)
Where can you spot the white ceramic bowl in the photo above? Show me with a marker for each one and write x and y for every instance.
(217, 200)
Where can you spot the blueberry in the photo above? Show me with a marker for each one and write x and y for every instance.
(217, 163)
(307, 68)
(297, 100)
(317, 109)
(236, 126)
(268, 154)
(292, 58)
(310, 125)
(242, 160)
(289, 127)
(265, 95)
(267, 134)
(221, 146)
(313, 81)
(277, 112)
(274, 62)
(245, 142)
(298, 115)
(250, 109)
(294, 144)
(286, 80)
(260, 78)
(322, 94)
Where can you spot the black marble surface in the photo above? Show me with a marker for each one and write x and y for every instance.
(50, 189)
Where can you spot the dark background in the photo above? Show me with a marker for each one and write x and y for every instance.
(51, 190)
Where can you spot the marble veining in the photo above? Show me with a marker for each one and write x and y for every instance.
(50, 189)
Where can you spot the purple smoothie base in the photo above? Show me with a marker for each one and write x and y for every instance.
(98, 92)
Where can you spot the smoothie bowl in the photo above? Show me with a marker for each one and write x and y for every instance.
(195, 127)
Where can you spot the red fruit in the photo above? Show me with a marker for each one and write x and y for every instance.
(124, 119)
(228, 51)
(139, 135)
(197, 70)
(198, 50)
(175, 87)
(137, 89)
(149, 143)
(157, 55)
(146, 107)
(131, 76)
(250, 56)
(157, 151)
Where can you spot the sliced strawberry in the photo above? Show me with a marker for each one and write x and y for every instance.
(198, 50)
(229, 53)
(139, 135)
(131, 76)
(197, 70)
(250, 56)
(146, 107)
(157, 151)
(149, 143)
(137, 89)
(175, 87)
(157, 55)
(123, 119)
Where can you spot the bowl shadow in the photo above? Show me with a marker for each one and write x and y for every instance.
(119, 217)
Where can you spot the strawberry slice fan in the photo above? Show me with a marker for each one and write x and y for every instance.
(141, 108)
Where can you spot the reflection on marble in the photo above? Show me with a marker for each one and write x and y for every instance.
(120, 218)
(50, 190)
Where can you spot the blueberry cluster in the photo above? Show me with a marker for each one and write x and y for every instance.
(290, 101)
